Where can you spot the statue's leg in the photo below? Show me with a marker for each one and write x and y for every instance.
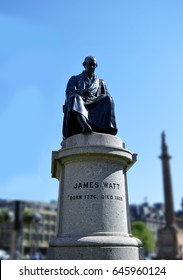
(86, 128)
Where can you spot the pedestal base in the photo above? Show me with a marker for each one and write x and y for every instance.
(93, 216)
(168, 243)
(102, 247)
(95, 253)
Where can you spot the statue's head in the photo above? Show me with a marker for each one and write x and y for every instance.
(90, 60)
(90, 63)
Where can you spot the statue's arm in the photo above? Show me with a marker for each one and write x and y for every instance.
(71, 86)
(104, 89)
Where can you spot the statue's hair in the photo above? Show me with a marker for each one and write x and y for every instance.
(88, 59)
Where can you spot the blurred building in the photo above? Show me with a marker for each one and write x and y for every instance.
(154, 218)
(27, 235)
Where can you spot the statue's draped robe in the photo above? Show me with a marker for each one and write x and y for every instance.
(97, 106)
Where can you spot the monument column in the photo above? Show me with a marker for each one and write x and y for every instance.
(167, 236)
(93, 215)
(167, 183)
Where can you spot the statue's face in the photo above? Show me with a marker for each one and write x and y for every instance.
(90, 66)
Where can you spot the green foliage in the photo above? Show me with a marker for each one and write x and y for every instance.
(28, 215)
(142, 232)
(5, 215)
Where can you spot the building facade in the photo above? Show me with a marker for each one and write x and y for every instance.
(25, 235)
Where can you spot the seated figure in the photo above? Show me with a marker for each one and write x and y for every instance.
(88, 105)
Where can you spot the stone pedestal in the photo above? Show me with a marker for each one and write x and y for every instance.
(168, 243)
(93, 219)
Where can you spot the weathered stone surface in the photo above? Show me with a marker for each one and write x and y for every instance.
(93, 218)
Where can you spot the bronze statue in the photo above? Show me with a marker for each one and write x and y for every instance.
(88, 106)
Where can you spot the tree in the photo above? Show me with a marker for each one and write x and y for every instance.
(141, 231)
(28, 215)
(5, 215)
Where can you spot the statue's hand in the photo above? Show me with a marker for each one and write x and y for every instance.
(86, 92)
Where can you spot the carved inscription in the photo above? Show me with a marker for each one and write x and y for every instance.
(113, 186)
(84, 185)
(92, 185)
(95, 185)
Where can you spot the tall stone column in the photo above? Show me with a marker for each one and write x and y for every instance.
(168, 235)
(93, 212)
(167, 184)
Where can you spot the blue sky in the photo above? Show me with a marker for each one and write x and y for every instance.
(139, 48)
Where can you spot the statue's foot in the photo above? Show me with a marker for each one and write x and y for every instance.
(87, 129)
